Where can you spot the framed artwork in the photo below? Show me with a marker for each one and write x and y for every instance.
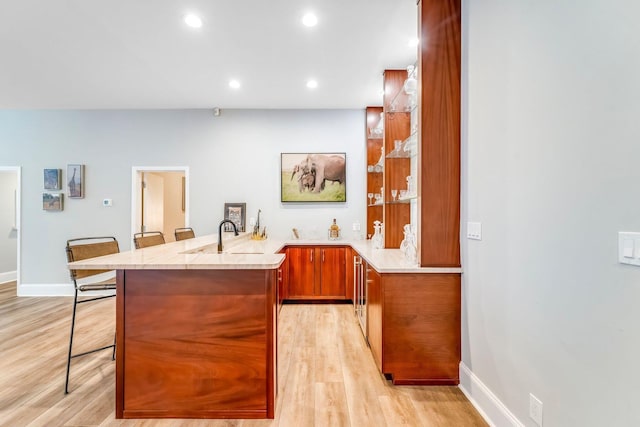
(52, 201)
(52, 179)
(313, 177)
(75, 174)
(236, 213)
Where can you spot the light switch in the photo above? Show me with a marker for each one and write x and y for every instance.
(629, 248)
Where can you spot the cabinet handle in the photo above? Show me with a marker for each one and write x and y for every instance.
(311, 254)
(322, 255)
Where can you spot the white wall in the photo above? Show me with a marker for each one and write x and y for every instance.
(232, 158)
(8, 234)
(551, 141)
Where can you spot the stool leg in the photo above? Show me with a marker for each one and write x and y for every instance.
(73, 322)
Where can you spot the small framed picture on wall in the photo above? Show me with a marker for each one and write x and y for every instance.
(75, 184)
(52, 201)
(52, 179)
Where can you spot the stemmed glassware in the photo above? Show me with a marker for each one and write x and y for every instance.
(370, 196)
(394, 193)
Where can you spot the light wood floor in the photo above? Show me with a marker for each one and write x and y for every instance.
(327, 376)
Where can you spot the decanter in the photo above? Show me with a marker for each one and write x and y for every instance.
(378, 239)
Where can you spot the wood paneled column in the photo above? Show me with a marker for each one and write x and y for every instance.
(439, 59)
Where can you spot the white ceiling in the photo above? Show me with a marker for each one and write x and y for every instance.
(87, 54)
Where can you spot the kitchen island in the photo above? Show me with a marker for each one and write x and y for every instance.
(197, 330)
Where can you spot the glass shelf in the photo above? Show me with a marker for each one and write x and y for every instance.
(402, 201)
(398, 154)
(374, 171)
(375, 205)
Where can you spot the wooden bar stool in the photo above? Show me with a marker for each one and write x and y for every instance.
(184, 233)
(148, 238)
(86, 281)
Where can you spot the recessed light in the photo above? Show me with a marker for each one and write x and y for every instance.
(310, 20)
(234, 84)
(312, 84)
(192, 20)
(413, 42)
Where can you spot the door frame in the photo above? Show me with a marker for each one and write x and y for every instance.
(17, 217)
(134, 194)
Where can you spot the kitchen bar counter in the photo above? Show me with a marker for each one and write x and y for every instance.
(243, 253)
(196, 331)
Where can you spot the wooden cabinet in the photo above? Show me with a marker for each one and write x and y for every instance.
(349, 271)
(375, 165)
(316, 272)
(397, 128)
(283, 279)
(413, 326)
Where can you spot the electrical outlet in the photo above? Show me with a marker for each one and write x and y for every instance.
(356, 226)
(535, 409)
(474, 230)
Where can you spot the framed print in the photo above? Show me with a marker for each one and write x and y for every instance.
(52, 201)
(313, 177)
(75, 174)
(236, 213)
(52, 179)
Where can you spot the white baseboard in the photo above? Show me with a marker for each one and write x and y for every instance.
(45, 290)
(490, 407)
(9, 276)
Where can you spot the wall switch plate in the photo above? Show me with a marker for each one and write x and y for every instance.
(356, 226)
(629, 248)
(535, 409)
(107, 203)
(474, 230)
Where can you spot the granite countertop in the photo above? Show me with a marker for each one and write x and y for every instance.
(242, 253)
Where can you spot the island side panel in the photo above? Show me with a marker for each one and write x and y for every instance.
(196, 344)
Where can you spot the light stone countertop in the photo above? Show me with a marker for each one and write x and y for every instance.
(242, 253)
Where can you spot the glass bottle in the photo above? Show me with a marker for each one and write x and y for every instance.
(334, 231)
(378, 239)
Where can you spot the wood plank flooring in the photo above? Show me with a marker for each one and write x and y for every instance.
(327, 376)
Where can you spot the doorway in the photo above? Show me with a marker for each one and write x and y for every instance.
(10, 224)
(160, 199)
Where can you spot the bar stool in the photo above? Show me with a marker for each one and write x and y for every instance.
(85, 280)
(184, 233)
(148, 238)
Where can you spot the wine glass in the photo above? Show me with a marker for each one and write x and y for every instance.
(394, 193)
(370, 196)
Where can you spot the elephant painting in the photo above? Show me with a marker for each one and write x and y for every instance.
(319, 168)
(305, 177)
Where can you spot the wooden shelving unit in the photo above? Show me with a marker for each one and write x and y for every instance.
(375, 179)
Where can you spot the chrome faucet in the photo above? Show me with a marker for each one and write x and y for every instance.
(235, 230)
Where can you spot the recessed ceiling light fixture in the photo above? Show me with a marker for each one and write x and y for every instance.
(312, 84)
(310, 20)
(192, 20)
(234, 84)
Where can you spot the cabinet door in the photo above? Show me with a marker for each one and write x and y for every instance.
(283, 278)
(301, 277)
(348, 253)
(332, 272)
(374, 313)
